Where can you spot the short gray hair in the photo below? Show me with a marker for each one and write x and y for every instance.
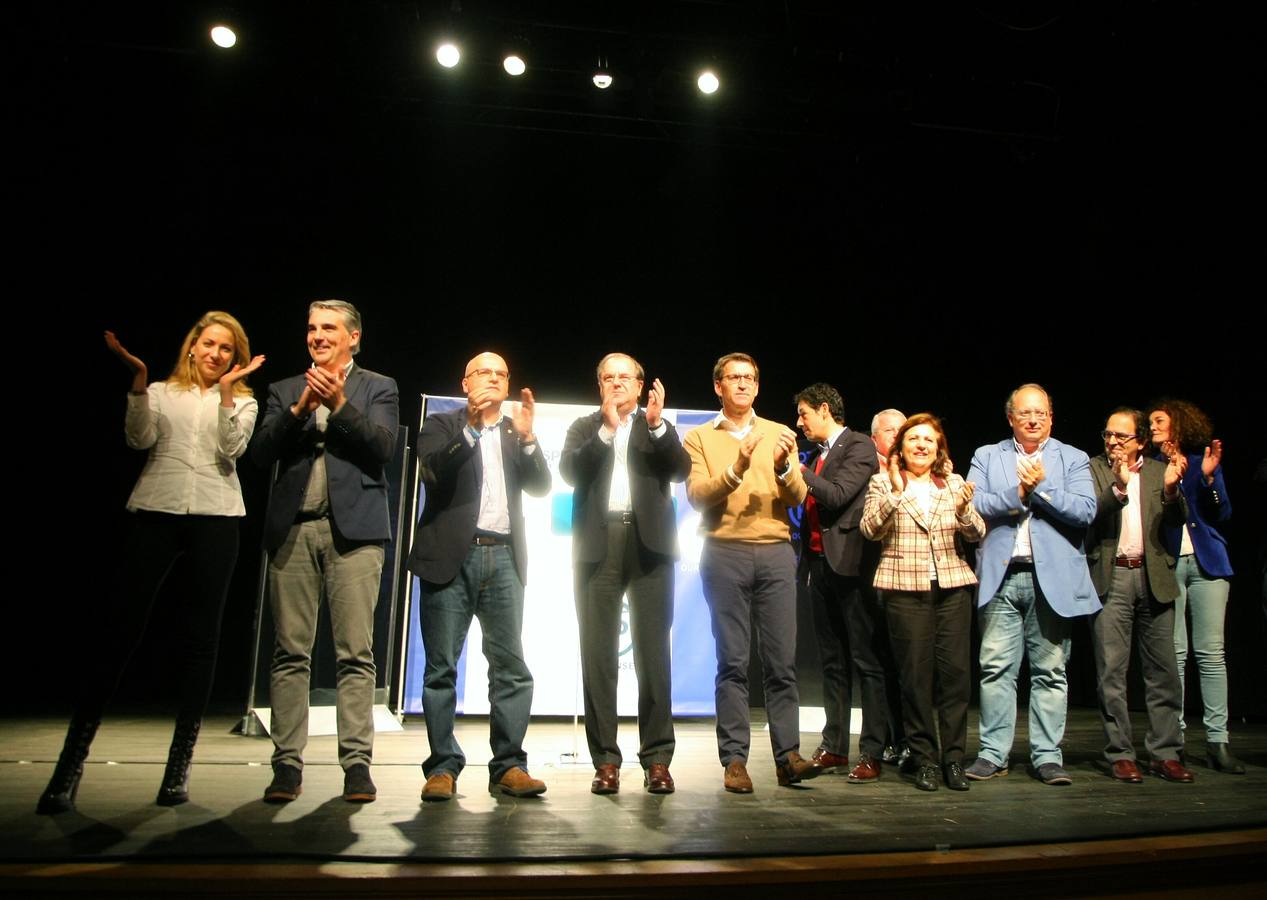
(1029, 386)
(875, 420)
(351, 317)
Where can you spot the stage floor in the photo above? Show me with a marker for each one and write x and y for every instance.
(116, 818)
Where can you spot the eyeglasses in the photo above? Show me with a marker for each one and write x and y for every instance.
(1036, 415)
(618, 379)
(1117, 436)
(488, 373)
(745, 378)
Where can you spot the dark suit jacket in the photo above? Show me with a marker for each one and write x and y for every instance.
(453, 472)
(360, 440)
(1103, 534)
(653, 464)
(840, 490)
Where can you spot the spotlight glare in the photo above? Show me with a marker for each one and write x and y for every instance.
(447, 55)
(708, 83)
(602, 80)
(223, 36)
(514, 65)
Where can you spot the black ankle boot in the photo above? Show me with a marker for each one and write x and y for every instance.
(175, 787)
(59, 796)
(1221, 758)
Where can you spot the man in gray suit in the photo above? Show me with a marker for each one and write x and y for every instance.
(330, 430)
(1135, 578)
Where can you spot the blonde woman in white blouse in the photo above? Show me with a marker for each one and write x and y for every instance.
(187, 502)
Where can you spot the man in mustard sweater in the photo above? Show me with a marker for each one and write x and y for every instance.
(743, 481)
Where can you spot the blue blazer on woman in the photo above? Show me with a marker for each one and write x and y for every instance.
(1208, 508)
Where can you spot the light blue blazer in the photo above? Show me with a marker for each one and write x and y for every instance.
(1063, 505)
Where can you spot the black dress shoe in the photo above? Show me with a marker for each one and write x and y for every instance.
(955, 779)
(1221, 759)
(926, 778)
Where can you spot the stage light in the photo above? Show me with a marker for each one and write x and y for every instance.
(448, 55)
(223, 36)
(602, 81)
(514, 65)
(708, 82)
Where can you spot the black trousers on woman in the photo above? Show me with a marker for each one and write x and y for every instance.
(931, 634)
(209, 545)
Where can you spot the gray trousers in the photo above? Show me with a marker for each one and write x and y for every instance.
(312, 558)
(1130, 607)
(600, 589)
(748, 584)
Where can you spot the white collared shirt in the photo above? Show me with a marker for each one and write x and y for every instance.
(1021, 549)
(1130, 540)
(619, 496)
(194, 443)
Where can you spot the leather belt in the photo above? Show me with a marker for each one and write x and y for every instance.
(1129, 562)
(624, 518)
(489, 540)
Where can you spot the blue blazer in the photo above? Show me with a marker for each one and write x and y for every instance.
(1208, 509)
(359, 441)
(1063, 505)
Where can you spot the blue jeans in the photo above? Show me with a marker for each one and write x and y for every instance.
(488, 588)
(1017, 621)
(1207, 599)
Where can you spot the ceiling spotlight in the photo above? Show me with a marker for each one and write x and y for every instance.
(514, 65)
(223, 36)
(602, 75)
(448, 55)
(708, 82)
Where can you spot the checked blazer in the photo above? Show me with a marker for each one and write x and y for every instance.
(910, 539)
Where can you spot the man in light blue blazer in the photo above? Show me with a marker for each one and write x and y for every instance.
(1037, 498)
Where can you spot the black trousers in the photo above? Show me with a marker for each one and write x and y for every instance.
(210, 547)
(851, 631)
(600, 591)
(931, 633)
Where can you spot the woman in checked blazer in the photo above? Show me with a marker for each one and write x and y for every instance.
(919, 509)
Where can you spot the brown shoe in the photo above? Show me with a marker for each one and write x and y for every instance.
(1126, 770)
(831, 762)
(518, 783)
(867, 769)
(736, 778)
(657, 779)
(606, 779)
(440, 786)
(796, 769)
(1170, 770)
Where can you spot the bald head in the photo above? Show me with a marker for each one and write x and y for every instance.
(488, 376)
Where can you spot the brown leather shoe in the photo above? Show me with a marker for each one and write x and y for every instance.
(1126, 770)
(831, 762)
(867, 769)
(657, 779)
(518, 783)
(439, 787)
(796, 770)
(1170, 770)
(736, 778)
(606, 779)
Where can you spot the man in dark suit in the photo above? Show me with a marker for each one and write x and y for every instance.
(331, 430)
(848, 623)
(470, 554)
(624, 538)
(1135, 578)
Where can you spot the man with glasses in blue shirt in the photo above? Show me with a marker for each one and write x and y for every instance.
(1037, 499)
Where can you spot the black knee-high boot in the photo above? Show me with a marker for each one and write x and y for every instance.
(59, 796)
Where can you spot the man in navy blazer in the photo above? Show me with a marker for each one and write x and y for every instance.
(621, 462)
(331, 430)
(848, 622)
(1037, 500)
(470, 554)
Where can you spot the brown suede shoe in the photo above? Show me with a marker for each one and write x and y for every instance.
(518, 783)
(606, 779)
(657, 779)
(736, 778)
(440, 786)
(796, 769)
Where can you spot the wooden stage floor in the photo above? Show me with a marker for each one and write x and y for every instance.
(825, 826)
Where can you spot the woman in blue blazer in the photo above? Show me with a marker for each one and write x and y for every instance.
(1203, 567)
